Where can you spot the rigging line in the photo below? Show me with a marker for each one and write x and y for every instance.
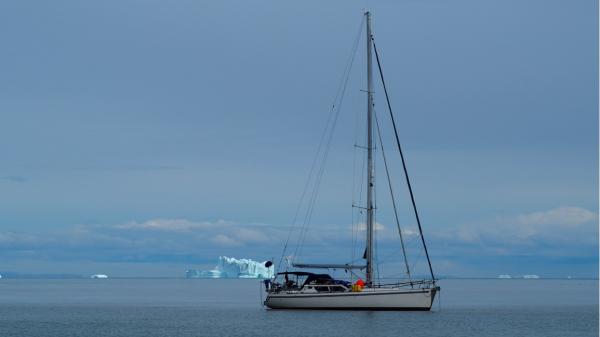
(313, 165)
(316, 185)
(417, 259)
(320, 146)
(349, 61)
(387, 172)
(311, 206)
(354, 173)
(315, 193)
(325, 132)
(412, 198)
(354, 155)
(337, 109)
(374, 182)
(307, 184)
(359, 211)
(410, 241)
(387, 257)
(340, 95)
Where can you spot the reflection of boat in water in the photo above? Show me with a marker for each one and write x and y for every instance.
(306, 290)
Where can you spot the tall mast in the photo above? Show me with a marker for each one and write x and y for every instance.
(370, 167)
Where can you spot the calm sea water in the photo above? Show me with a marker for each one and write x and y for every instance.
(169, 307)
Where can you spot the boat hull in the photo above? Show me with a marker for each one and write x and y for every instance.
(369, 299)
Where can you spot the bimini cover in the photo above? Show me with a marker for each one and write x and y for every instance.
(319, 279)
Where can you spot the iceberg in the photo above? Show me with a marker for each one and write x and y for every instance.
(99, 276)
(229, 267)
(504, 276)
(531, 276)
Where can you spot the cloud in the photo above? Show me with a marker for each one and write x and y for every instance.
(378, 226)
(409, 232)
(224, 240)
(172, 225)
(563, 231)
(564, 226)
(176, 240)
(248, 235)
(14, 239)
(567, 216)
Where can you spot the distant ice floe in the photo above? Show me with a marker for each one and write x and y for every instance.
(99, 276)
(531, 276)
(229, 267)
(506, 276)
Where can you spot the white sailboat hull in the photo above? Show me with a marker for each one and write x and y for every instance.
(368, 299)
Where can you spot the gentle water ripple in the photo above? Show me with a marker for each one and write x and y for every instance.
(184, 308)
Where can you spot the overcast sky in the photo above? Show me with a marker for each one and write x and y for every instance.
(142, 138)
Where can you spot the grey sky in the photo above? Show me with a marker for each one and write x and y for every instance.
(120, 112)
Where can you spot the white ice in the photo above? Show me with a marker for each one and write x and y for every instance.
(99, 276)
(229, 267)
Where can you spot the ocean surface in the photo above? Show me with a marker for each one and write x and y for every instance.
(181, 307)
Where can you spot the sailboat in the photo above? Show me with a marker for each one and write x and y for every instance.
(300, 289)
